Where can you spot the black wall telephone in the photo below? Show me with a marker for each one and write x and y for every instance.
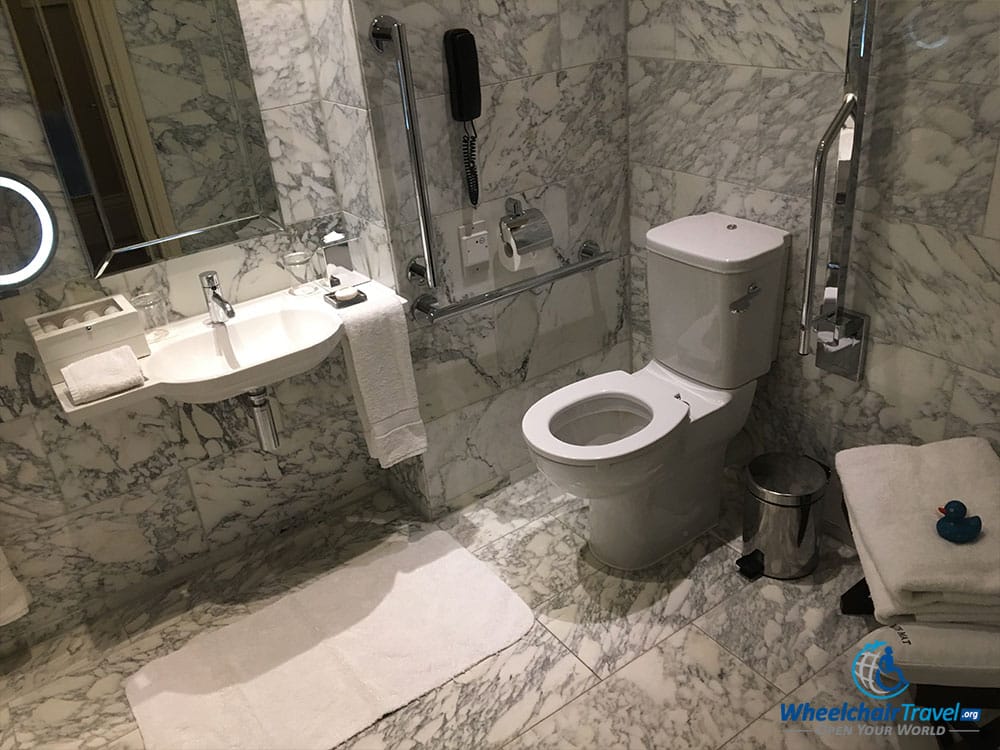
(466, 98)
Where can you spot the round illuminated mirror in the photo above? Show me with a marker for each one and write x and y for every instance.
(27, 232)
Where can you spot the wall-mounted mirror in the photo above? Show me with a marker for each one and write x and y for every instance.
(153, 123)
(28, 232)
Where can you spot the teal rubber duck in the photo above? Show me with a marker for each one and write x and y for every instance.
(955, 526)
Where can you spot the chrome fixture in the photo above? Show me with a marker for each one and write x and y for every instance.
(386, 31)
(263, 419)
(524, 230)
(219, 309)
(742, 304)
(841, 333)
(427, 305)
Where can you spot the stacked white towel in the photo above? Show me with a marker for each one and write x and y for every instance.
(892, 493)
(104, 374)
(380, 370)
(14, 598)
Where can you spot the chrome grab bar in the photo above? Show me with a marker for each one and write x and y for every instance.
(841, 332)
(386, 30)
(848, 109)
(427, 305)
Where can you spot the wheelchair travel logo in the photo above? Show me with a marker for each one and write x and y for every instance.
(875, 674)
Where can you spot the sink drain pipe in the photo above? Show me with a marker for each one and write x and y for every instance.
(263, 419)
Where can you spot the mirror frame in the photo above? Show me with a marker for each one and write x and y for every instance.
(48, 242)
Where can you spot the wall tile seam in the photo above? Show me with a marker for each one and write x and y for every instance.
(362, 220)
(555, 182)
(721, 64)
(313, 64)
(495, 84)
(603, 348)
(947, 229)
(354, 40)
(951, 363)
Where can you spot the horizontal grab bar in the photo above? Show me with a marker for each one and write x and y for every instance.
(847, 108)
(427, 305)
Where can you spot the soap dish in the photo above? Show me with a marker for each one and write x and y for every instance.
(332, 299)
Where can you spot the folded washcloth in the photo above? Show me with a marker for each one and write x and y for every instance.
(892, 493)
(380, 370)
(100, 375)
(14, 598)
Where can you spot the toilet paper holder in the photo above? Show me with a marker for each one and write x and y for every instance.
(524, 231)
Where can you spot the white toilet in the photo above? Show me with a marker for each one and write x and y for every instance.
(647, 450)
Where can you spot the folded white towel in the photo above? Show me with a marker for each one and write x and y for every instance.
(100, 375)
(890, 610)
(380, 370)
(892, 493)
(14, 598)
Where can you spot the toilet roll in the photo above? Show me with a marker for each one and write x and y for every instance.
(523, 236)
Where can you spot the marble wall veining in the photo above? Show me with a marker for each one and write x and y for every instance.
(95, 514)
(196, 89)
(553, 135)
(726, 104)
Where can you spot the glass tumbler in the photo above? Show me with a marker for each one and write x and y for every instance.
(301, 266)
(152, 308)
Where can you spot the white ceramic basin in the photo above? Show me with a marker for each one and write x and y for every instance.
(270, 338)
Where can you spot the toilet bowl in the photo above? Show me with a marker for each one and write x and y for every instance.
(647, 449)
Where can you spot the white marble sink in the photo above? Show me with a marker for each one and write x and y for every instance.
(270, 338)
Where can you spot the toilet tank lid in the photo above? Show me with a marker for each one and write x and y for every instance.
(717, 242)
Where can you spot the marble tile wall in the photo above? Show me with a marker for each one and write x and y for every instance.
(94, 514)
(726, 104)
(196, 89)
(553, 134)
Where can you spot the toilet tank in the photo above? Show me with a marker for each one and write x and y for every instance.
(715, 286)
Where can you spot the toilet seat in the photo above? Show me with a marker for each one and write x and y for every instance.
(640, 403)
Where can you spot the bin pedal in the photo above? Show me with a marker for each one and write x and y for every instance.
(857, 600)
(751, 566)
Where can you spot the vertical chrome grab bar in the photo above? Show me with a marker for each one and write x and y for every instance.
(847, 110)
(387, 30)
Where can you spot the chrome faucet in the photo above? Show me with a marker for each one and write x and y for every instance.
(219, 309)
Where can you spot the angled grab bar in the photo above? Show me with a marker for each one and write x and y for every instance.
(848, 109)
(386, 30)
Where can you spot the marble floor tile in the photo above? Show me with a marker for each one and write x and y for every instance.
(831, 686)
(131, 741)
(608, 620)
(688, 692)
(86, 705)
(788, 630)
(575, 513)
(28, 669)
(538, 560)
(504, 511)
(488, 705)
(7, 740)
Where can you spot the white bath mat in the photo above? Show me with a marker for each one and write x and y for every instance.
(318, 666)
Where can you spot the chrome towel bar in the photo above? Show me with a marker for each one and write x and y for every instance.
(427, 305)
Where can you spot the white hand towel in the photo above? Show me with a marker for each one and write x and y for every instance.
(893, 492)
(104, 374)
(380, 370)
(14, 598)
